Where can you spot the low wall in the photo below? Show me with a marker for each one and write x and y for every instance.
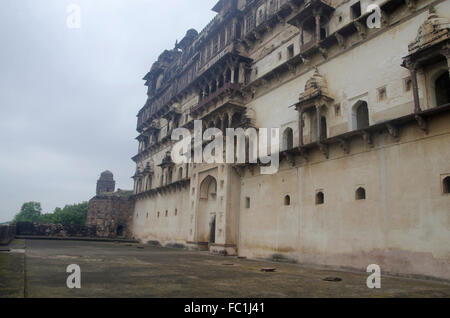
(55, 230)
(7, 234)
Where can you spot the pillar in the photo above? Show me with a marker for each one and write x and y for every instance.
(412, 67)
(317, 17)
(319, 126)
(300, 127)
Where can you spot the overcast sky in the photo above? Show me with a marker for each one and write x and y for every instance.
(69, 97)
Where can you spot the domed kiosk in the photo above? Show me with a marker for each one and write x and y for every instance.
(106, 183)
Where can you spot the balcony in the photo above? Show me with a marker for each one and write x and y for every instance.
(225, 89)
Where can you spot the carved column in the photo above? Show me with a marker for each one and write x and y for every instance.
(300, 127)
(317, 18)
(301, 35)
(446, 52)
(242, 72)
(412, 67)
(319, 126)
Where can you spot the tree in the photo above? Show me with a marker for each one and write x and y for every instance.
(70, 214)
(29, 212)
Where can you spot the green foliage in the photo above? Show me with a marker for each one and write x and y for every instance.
(70, 214)
(29, 212)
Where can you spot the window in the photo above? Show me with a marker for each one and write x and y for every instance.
(176, 212)
(147, 215)
(290, 51)
(442, 89)
(320, 198)
(167, 213)
(247, 203)
(360, 115)
(288, 139)
(382, 94)
(158, 215)
(360, 194)
(287, 200)
(446, 185)
(280, 55)
(323, 128)
(356, 10)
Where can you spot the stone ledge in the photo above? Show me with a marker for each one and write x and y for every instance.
(85, 239)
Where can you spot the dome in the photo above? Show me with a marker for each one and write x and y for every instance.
(192, 33)
(316, 85)
(106, 175)
(435, 29)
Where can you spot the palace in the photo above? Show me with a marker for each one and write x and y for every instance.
(364, 121)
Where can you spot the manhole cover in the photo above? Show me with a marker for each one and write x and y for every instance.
(332, 279)
(268, 270)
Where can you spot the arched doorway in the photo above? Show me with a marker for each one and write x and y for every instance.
(207, 211)
(119, 231)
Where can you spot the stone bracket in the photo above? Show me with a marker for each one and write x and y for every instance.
(291, 158)
(393, 130)
(324, 149)
(345, 145)
(422, 123)
(367, 137)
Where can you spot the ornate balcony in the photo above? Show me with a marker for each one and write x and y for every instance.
(227, 88)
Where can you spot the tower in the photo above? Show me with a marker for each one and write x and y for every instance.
(106, 183)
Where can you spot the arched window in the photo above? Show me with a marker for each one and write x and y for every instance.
(360, 194)
(320, 198)
(360, 115)
(288, 139)
(323, 123)
(287, 200)
(446, 185)
(442, 89)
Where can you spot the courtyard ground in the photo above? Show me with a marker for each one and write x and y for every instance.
(37, 268)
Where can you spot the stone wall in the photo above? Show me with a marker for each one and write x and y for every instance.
(7, 234)
(55, 230)
(111, 214)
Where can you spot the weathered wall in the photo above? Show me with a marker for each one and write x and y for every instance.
(111, 215)
(163, 217)
(403, 225)
(7, 233)
(55, 230)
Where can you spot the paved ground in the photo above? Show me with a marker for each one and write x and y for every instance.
(132, 270)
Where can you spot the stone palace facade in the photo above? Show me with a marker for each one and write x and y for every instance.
(362, 104)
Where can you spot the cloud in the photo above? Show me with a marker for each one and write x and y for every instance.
(69, 98)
